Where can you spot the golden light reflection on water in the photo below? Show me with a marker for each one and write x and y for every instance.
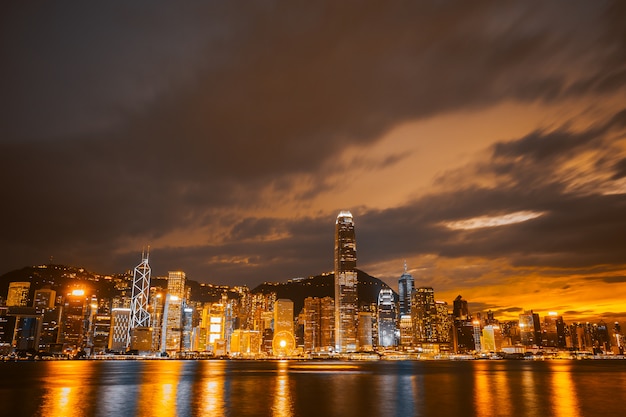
(157, 395)
(66, 395)
(483, 396)
(492, 395)
(212, 394)
(283, 405)
(566, 402)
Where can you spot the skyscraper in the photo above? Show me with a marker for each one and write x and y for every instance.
(406, 286)
(283, 342)
(424, 314)
(140, 317)
(173, 312)
(386, 318)
(346, 299)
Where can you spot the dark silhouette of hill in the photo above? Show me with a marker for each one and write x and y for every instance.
(61, 278)
(322, 285)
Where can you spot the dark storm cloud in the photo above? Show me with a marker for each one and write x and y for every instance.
(124, 121)
(579, 228)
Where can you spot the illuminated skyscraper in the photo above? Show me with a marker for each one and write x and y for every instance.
(120, 323)
(312, 327)
(364, 333)
(346, 299)
(73, 320)
(284, 341)
(530, 328)
(424, 314)
(18, 294)
(139, 315)
(173, 313)
(406, 286)
(386, 318)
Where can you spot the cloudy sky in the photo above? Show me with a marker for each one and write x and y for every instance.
(484, 142)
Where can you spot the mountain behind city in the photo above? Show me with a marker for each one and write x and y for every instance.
(63, 277)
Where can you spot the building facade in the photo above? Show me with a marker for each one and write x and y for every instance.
(346, 297)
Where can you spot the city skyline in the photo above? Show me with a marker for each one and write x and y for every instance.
(484, 144)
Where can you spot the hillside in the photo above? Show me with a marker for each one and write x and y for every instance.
(323, 285)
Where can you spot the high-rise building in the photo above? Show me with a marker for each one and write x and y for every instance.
(139, 314)
(312, 327)
(364, 333)
(73, 331)
(118, 333)
(18, 294)
(284, 341)
(553, 331)
(173, 313)
(443, 323)
(406, 286)
(424, 314)
(530, 329)
(346, 298)
(386, 318)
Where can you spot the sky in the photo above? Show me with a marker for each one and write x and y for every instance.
(483, 142)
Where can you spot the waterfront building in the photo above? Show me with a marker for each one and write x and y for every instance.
(74, 319)
(346, 298)
(17, 295)
(139, 314)
(245, 343)
(364, 332)
(173, 313)
(406, 286)
(553, 331)
(120, 324)
(530, 329)
(101, 330)
(443, 324)
(424, 315)
(312, 324)
(386, 318)
(283, 342)
(215, 325)
(491, 340)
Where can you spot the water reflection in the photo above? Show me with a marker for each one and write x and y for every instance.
(65, 393)
(283, 406)
(306, 389)
(566, 403)
(491, 390)
(157, 394)
(483, 397)
(212, 385)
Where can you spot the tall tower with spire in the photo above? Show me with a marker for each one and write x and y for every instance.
(346, 299)
(139, 315)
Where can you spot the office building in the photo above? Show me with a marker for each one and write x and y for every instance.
(346, 297)
(386, 319)
(172, 332)
(424, 314)
(283, 342)
(17, 295)
(139, 314)
(406, 286)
